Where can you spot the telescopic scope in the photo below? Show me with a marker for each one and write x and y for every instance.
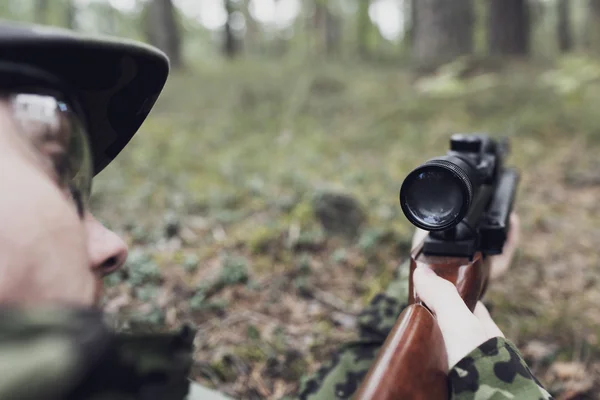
(437, 195)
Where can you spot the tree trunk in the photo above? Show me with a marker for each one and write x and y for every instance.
(71, 15)
(333, 32)
(564, 31)
(509, 27)
(364, 28)
(252, 36)
(41, 11)
(592, 28)
(443, 31)
(327, 27)
(412, 4)
(230, 44)
(111, 20)
(163, 31)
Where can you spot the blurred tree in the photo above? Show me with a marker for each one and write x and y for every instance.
(231, 46)
(592, 34)
(252, 36)
(111, 20)
(564, 31)
(41, 11)
(480, 27)
(509, 27)
(364, 27)
(413, 20)
(162, 30)
(71, 15)
(328, 27)
(443, 31)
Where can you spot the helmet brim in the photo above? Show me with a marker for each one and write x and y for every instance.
(116, 82)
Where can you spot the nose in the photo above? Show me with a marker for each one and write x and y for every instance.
(107, 251)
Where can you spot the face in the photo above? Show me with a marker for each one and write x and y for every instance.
(51, 249)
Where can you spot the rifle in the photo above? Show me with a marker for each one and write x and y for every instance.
(464, 199)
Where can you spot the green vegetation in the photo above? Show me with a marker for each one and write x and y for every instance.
(238, 152)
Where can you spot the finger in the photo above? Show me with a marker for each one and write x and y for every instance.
(441, 296)
(418, 237)
(461, 330)
(486, 321)
(514, 233)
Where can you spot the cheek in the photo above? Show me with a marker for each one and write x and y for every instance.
(39, 225)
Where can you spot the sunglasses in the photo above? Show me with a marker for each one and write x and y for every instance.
(57, 135)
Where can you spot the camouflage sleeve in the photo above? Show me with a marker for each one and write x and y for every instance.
(71, 354)
(495, 370)
(341, 376)
(42, 351)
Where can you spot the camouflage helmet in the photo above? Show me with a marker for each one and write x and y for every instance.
(115, 83)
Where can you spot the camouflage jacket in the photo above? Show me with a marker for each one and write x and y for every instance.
(493, 371)
(70, 354)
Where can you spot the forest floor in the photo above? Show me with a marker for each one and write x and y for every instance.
(215, 196)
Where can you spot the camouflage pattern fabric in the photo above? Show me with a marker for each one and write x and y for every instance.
(71, 354)
(493, 371)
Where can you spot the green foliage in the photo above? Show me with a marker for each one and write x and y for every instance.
(370, 239)
(572, 75)
(141, 268)
(303, 264)
(234, 270)
(113, 279)
(224, 369)
(262, 238)
(361, 140)
(279, 341)
(447, 82)
(253, 333)
(310, 239)
(302, 284)
(148, 320)
(140, 235)
(197, 301)
(250, 352)
(191, 263)
(146, 293)
(216, 305)
(339, 256)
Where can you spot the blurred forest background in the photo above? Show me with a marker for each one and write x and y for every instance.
(260, 198)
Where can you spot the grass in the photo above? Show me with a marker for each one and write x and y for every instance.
(218, 187)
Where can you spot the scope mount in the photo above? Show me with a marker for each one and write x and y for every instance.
(458, 241)
(492, 226)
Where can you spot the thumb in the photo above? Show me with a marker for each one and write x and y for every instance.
(461, 330)
(486, 320)
(440, 295)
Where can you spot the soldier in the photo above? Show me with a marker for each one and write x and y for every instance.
(69, 105)
(484, 365)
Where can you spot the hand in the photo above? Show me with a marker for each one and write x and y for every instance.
(462, 330)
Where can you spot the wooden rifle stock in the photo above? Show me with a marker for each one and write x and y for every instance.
(413, 364)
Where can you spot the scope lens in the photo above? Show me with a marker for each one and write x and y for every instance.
(434, 197)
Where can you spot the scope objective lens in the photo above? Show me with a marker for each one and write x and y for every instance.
(437, 195)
